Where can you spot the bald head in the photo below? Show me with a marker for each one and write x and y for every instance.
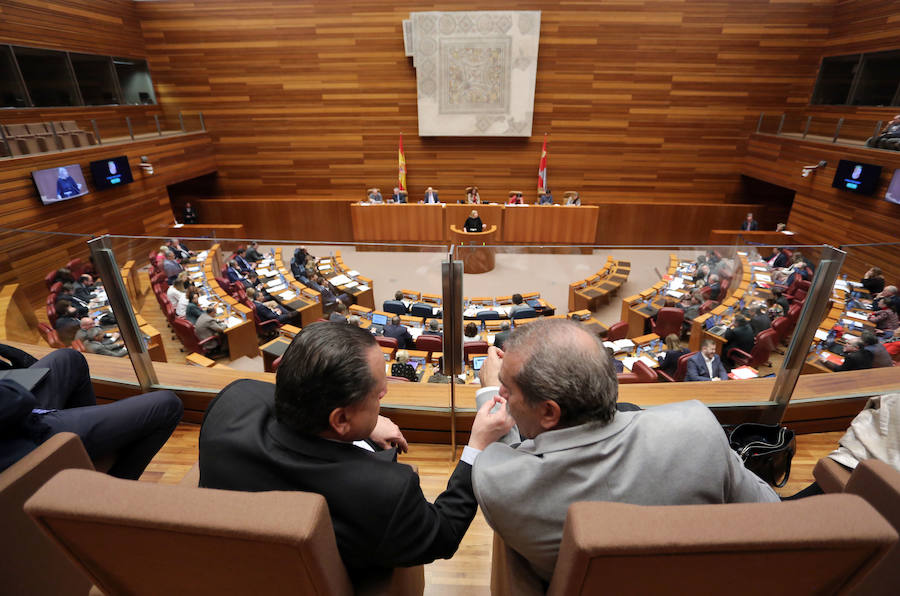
(562, 362)
(86, 323)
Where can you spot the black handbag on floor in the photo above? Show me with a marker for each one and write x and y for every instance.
(766, 450)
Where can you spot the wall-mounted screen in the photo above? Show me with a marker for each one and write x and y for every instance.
(893, 191)
(113, 171)
(856, 177)
(60, 184)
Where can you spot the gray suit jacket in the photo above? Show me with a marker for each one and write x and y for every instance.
(676, 454)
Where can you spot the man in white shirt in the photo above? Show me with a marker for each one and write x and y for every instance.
(176, 293)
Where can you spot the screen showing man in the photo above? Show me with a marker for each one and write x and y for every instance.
(112, 171)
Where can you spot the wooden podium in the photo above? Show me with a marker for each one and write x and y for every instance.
(476, 257)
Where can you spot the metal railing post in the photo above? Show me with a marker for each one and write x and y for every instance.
(105, 262)
(451, 281)
(158, 129)
(837, 130)
(806, 128)
(96, 131)
(130, 130)
(181, 120)
(202, 123)
(780, 124)
(814, 308)
(56, 138)
(760, 121)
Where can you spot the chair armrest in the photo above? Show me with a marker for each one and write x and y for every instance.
(738, 355)
(831, 476)
(660, 375)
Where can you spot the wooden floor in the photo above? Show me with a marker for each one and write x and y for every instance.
(468, 572)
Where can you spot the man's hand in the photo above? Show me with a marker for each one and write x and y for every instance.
(490, 370)
(490, 426)
(387, 435)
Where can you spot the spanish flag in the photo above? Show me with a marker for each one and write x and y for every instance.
(542, 168)
(401, 166)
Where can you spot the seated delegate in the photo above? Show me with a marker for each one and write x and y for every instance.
(318, 430)
(571, 444)
(431, 196)
(706, 365)
(131, 429)
(546, 198)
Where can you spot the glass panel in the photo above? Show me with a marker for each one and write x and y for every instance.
(47, 77)
(95, 79)
(835, 78)
(879, 79)
(134, 80)
(12, 94)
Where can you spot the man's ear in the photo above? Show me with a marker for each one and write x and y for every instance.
(549, 414)
(339, 421)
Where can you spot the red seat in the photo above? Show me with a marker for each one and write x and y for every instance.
(708, 306)
(50, 335)
(48, 279)
(184, 329)
(263, 328)
(475, 347)
(668, 320)
(759, 355)
(56, 288)
(617, 331)
(793, 313)
(680, 369)
(397, 379)
(388, 342)
(782, 327)
(640, 373)
(430, 344)
(77, 267)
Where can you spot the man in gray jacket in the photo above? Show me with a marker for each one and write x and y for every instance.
(570, 444)
(206, 326)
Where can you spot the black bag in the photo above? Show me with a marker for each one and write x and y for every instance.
(766, 450)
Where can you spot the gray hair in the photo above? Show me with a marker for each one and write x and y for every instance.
(564, 363)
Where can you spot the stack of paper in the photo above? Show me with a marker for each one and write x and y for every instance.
(856, 315)
(821, 334)
(288, 295)
(232, 320)
(352, 273)
(272, 283)
(743, 372)
(623, 345)
(758, 276)
(339, 280)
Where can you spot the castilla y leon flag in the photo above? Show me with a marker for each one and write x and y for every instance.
(542, 169)
(401, 166)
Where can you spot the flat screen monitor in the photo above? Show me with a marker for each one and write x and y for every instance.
(379, 319)
(856, 177)
(893, 191)
(60, 184)
(113, 171)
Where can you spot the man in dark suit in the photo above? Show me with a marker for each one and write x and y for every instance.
(705, 365)
(431, 195)
(308, 432)
(740, 336)
(434, 328)
(265, 313)
(243, 265)
(856, 357)
(231, 272)
(501, 337)
(760, 321)
(398, 332)
(778, 259)
(715, 287)
(396, 305)
(750, 224)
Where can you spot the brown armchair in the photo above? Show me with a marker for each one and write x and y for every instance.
(147, 539)
(818, 545)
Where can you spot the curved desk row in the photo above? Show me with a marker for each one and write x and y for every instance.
(591, 292)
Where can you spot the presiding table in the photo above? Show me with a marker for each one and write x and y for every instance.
(476, 249)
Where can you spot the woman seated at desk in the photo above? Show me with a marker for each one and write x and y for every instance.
(472, 196)
(474, 223)
(402, 368)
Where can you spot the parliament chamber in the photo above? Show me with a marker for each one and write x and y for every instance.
(242, 125)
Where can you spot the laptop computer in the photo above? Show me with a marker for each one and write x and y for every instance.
(29, 378)
(378, 322)
(477, 363)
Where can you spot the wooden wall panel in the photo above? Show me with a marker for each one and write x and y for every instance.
(108, 27)
(863, 26)
(822, 214)
(140, 208)
(281, 219)
(643, 100)
(666, 224)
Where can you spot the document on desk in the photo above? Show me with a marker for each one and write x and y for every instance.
(363, 288)
(278, 288)
(856, 315)
(204, 301)
(288, 295)
(744, 372)
(350, 284)
(197, 275)
(232, 321)
(339, 280)
(623, 345)
(415, 332)
(821, 334)
(675, 293)
(677, 283)
(765, 277)
(352, 273)
(274, 282)
(628, 362)
(264, 272)
(193, 268)
(201, 256)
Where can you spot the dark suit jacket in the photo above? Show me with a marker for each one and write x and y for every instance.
(760, 323)
(264, 312)
(380, 516)
(739, 337)
(750, 227)
(670, 362)
(714, 291)
(401, 334)
(857, 360)
(780, 261)
(697, 371)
